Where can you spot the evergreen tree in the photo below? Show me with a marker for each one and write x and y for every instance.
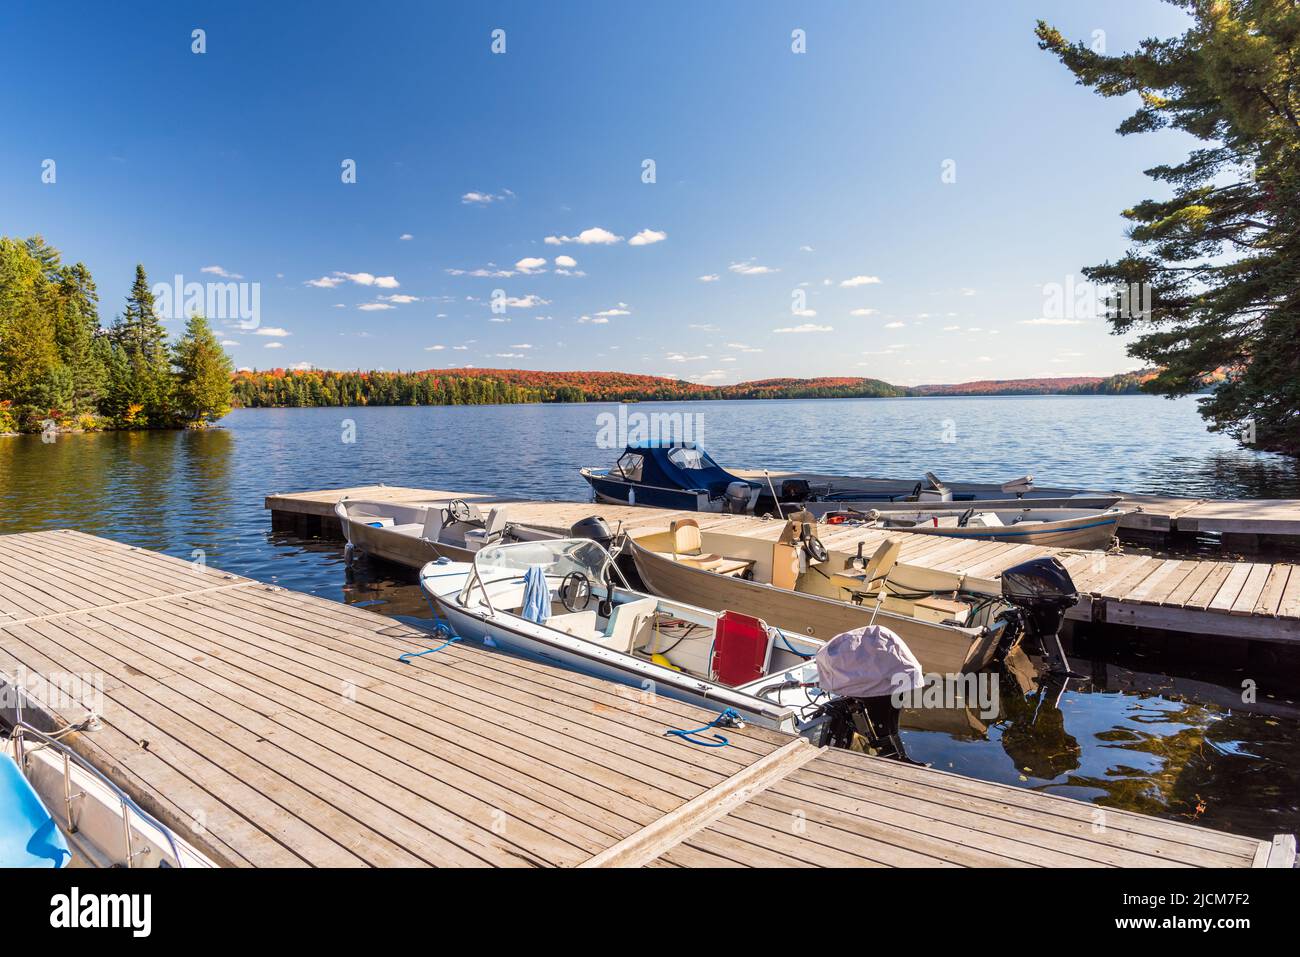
(203, 387)
(145, 378)
(1221, 256)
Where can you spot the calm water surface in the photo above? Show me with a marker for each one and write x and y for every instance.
(1157, 732)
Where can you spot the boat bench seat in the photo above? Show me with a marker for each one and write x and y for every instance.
(719, 565)
(411, 528)
(580, 624)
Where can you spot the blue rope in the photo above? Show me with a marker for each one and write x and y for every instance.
(439, 627)
(730, 718)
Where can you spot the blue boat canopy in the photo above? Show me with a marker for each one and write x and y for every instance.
(680, 465)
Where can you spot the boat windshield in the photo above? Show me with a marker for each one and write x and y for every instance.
(693, 459)
(557, 558)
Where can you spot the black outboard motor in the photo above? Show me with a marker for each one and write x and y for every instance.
(595, 528)
(1042, 591)
(795, 490)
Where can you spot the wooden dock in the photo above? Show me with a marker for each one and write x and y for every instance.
(272, 728)
(1250, 600)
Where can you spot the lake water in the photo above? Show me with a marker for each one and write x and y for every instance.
(1154, 732)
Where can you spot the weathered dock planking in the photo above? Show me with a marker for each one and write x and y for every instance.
(273, 728)
(1241, 523)
(1250, 600)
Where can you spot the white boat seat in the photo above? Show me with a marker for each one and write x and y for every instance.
(432, 523)
(628, 624)
(580, 624)
(496, 523)
(412, 528)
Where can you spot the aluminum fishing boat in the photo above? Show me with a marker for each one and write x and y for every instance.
(953, 622)
(413, 533)
(1089, 528)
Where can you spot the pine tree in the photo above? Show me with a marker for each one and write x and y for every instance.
(203, 389)
(1221, 256)
(144, 378)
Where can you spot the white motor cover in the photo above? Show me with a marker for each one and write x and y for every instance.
(868, 662)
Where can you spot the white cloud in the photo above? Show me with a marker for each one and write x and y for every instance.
(530, 264)
(1044, 321)
(806, 327)
(508, 355)
(529, 301)
(218, 271)
(895, 325)
(400, 298)
(646, 237)
(274, 331)
(360, 278)
(522, 345)
(614, 312)
(804, 313)
(434, 348)
(374, 306)
(229, 343)
(405, 236)
(482, 273)
(566, 262)
(705, 327)
(750, 268)
(711, 277)
(967, 292)
(864, 312)
(300, 366)
(805, 249)
(482, 199)
(742, 347)
(679, 357)
(951, 328)
(859, 281)
(595, 321)
(274, 345)
(596, 235)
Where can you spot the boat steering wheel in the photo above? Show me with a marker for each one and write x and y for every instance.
(458, 509)
(575, 591)
(814, 547)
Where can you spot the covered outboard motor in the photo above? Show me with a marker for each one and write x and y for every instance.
(736, 497)
(595, 528)
(1042, 591)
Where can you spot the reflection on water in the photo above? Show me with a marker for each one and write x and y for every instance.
(1160, 728)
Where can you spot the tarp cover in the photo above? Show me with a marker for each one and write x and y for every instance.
(868, 662)
(537, 597)
(681, 466)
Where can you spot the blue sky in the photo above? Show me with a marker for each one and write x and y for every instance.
(778, 173)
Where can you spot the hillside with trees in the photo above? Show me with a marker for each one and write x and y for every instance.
(61, 369)
(317, 387)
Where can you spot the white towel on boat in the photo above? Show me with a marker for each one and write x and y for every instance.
(867, 662)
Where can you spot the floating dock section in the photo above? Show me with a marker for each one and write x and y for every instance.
(273, 728)
(1251, 600)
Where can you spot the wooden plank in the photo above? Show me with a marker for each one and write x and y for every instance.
(1251, 590)
(1270, 597)
(667, 832)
